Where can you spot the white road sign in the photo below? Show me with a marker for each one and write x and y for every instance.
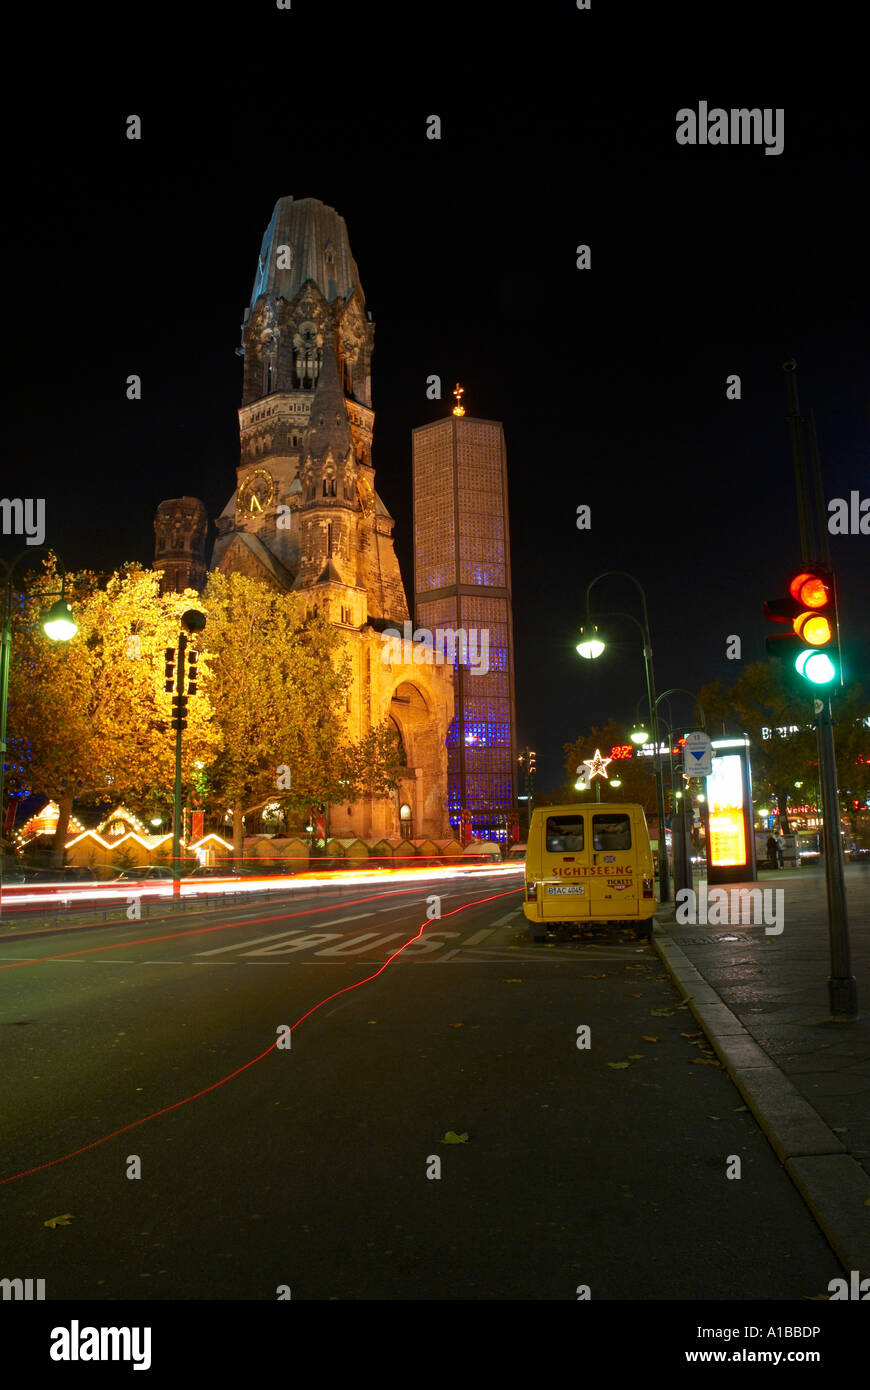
(697, 755)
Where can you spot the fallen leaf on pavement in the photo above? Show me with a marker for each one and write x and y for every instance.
(617, 1066)
(647, 1038)
(661, 1013)
(451, 1137)
(705, 1062)
(54, 1221)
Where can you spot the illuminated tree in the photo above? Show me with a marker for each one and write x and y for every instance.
(779, 723)
(278, 681)
(93, 710)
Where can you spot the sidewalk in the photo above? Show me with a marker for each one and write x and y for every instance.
(763, 1002)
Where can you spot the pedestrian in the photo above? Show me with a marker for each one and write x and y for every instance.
(780, 853)
(772, 852)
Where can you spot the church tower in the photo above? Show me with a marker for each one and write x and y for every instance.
(305, 514)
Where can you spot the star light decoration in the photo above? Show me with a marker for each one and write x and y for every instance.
(597, 765)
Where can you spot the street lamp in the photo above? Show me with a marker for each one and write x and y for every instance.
(590, 646)
(58, 624)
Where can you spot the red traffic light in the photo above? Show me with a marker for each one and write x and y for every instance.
(810, 590)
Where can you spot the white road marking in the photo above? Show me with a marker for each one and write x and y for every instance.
(351, 947)
(479, 936)
(277, 936)
(286, 948)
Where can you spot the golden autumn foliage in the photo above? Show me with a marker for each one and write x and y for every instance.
(268, 721)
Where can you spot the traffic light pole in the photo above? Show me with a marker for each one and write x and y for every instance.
(842, 986)
(176, 809)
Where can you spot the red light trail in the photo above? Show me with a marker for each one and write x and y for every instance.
(25, 1172)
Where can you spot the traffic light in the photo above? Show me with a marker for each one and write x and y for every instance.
(192, 657)
(532, 767)
(179, 711)
(169, 671)
(811, 611)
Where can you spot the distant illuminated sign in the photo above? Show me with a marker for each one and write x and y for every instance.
(621, 750)
(727, 819)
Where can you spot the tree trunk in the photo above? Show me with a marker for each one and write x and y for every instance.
(65, 805)
(238, 832)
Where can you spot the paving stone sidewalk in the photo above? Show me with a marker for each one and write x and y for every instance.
(763, 1001)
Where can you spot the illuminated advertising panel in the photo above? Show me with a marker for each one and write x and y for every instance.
(730, 837)
(727, 821)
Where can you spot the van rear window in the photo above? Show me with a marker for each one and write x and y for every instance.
(564, 834)
(611, 832)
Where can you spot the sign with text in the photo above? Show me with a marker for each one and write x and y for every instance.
(697, 755)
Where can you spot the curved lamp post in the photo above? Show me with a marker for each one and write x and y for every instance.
(58, 624)
(590, 646)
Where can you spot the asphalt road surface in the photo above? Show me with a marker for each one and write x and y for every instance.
(316, 1167)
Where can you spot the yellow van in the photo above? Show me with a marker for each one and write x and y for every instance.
(587, 864)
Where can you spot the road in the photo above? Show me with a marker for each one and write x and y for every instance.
(313, 1167)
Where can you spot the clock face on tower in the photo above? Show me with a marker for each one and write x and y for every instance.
(256, 493)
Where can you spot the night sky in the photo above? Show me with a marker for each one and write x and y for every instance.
(128, 257)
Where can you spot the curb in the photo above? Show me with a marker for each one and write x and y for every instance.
(831, 1182)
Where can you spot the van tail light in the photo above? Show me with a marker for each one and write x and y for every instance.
(532, 893)
(648, 887)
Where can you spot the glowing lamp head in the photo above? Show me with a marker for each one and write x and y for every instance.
(581, 786)
(59, 623)
(638, 735)
(810, 590)
(616, 781)
(813, 628)
(590, 645)
(816, 667)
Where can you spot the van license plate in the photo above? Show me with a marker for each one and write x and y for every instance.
(568, 888)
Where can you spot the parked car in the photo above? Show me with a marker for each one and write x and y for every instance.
(146, 872)
(214, 871)
(78, 873)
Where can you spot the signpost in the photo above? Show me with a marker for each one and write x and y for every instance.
(698, 755)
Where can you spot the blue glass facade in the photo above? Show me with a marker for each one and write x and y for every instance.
(462, 583)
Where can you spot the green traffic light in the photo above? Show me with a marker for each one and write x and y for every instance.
(816, 667)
